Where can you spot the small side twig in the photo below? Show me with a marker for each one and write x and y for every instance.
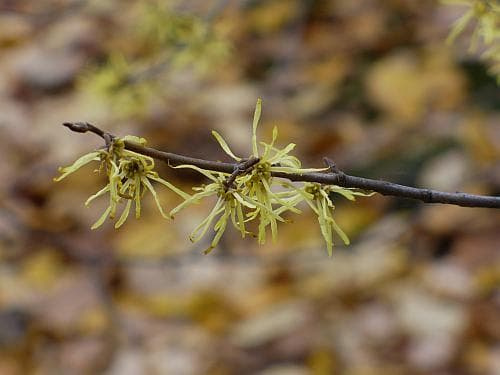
(336, 177)
(334, 170)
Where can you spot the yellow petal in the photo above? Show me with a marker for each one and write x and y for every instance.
(98, 194)
(124, 214)
(256, 118)
(170, 186)
(155, 196)
(80, 162)
(204, 172)
(101, 220)
(224, 145)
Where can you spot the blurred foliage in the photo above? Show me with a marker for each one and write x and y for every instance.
(165, 41)
(486, 16)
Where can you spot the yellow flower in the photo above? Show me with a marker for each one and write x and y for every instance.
(129, 176)
(257, 184)
(230, 206)
(79, 163)
(317, 196)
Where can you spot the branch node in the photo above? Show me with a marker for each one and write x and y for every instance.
(341, 177)
(429, 197)
(108, 138)
(243, 167)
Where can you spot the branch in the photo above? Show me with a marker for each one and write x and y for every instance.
(241, 168)
(334, 177)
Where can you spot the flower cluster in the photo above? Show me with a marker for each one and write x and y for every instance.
(251, 194)
(251, 198)
(318, 198)
(128, 175)
(230, 206)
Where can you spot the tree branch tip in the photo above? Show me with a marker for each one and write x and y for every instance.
(79, 127)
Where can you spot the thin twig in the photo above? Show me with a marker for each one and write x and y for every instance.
(334, 177)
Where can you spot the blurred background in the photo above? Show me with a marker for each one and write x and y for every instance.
(370, 83)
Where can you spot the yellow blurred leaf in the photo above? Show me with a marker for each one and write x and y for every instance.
(42, 269)
(272, 15)
(93, 321)
(395, 85)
